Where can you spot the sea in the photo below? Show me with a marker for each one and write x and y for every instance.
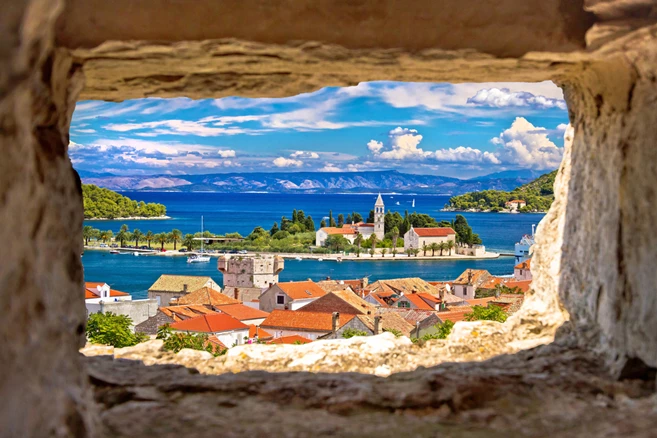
(241, 212)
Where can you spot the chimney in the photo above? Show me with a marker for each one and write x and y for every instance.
(185, 288)
(364, 282)
(377, 325)
(417, 329)
(335, 323)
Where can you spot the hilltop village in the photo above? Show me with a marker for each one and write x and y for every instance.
(252, 306)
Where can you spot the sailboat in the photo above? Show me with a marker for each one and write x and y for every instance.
(199, 258)
(413, 205)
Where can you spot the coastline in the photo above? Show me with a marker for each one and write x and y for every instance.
(130, 218)
(305, 256)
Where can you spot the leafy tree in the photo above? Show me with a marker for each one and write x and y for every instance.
(351, 332)
(309, 223)
(175, 341)
(449, 246)
(370, 217)
(394, 252)
(87, 233)
(504, 289)
(189, 242)
(336, 242)
(148, 237)
(490, 313)
(161, 238)
(372, 252)
(137, 235)
(416, 251)
(348, 219)
(395, 236)
(373, 241)
(433, 247)
(106, 235)
(322, 224)
(102, 203)
(340, 220)
(425, 248)
(331, 220)
(122, 236)
(443, 330)
(281, 235)
(111, 329)
(356, 217)
(175, 236)
(409, 251)
(258, 232)
(274, 229)
(383, 252)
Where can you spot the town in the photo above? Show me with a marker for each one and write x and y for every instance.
(253, 306)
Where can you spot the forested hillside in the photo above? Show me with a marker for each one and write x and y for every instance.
(538, 195)
(102, 203)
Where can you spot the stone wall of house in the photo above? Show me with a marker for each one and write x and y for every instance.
(250, 272)
(138, 310)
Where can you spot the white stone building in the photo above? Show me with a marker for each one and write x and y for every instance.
(291, 295)
(100, 298)
(515, 204)
(350, 231)
(418, 237)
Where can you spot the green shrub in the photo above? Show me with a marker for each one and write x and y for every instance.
(111, 329)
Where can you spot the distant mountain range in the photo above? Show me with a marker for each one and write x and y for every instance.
(310, 182)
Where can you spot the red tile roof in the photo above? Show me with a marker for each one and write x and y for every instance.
(91, 291)
(480, 301)
(300, 290)
(523, 285)
(311, 321)
(524, 265)
(335, 230)
(476, 276)
(344, 301)
(418, 302)
(515, 201)
(206, 295)
(293, 339)
(434, 232)
(454, 314)
(212, 323)
(241, 312)
(179, 313)
(262, 333)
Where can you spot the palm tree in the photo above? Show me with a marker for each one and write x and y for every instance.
(106, 235)
(383, 252)
(394, 252)
(374, 241)
(175, 236)
(122, 236)
(161, 238)
(425, 248)
(124, 227)
(409, 251)
(189, 241)
(442, 246)
(358, 241)
(433, 247)
(148, 237)
(395, 237)
(372, 252)
(416, 251)
(137, 235)
(450, 246)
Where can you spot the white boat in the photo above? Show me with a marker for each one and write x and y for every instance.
(523, 248)
(320, 260)
(136, 254)
(298, 259)
(397, 203)
(199, 258)
(413, 205)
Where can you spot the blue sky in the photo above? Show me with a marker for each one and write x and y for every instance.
(461, 130)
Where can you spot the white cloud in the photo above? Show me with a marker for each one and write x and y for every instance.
(164, 106)
(85, 131)
(374, 146)
(304, 154)
(175, 127)
(563, 127)
(462, 154)
(504, 97)
(328, 167)
(226, 153)
(403, 143)
(287, 162)
(528, 146)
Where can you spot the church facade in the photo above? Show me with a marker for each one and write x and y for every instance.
(350, 231)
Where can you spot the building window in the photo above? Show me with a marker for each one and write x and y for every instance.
(404, 304)
(280, 299)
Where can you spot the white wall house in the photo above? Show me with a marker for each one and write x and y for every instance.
(522, 271)
(418, 237)
(515, 204)
(350, 231)
(100, 297)
(291, 295)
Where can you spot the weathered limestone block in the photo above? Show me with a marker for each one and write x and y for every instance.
(42, 382)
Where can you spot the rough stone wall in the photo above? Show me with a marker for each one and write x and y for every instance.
(608, 281)
(42, 382)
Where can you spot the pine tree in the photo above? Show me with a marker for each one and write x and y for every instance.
(274, 229)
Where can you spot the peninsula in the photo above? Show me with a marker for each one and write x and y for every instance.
(533, 197)
(100, 203)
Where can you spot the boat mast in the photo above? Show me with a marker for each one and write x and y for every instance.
(201, 233)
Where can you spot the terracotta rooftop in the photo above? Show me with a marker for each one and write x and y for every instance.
(454, 314)
(242, 312)
(477, 276)
(293, 339)
(434, 232)
(217, 345)
(343, 301)
(301, 290)
(336, 230)
(208, 296)
(410, 315)
(333, 285)
(515, 201)
(406, 285)
(480, 301)
(389, 321)
(492, 282)
(310, 321)
(524, 265)
(523, 285)
(212, 323)
(91, 291)
(176, 283)
(179, 313)
(262, 333)
(422, 301)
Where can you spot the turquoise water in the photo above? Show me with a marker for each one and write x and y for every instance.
(242, 212)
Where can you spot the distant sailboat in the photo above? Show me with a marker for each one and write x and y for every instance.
(199, 258)
(413, 205)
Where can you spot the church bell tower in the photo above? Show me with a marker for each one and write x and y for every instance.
(379, 218)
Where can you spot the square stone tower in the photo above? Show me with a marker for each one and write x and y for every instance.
(379, 218)
(246, 277)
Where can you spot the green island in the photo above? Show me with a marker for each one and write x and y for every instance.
(102, 203)
(538, 196)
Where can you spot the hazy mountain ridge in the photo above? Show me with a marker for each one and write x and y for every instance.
(306, 182)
